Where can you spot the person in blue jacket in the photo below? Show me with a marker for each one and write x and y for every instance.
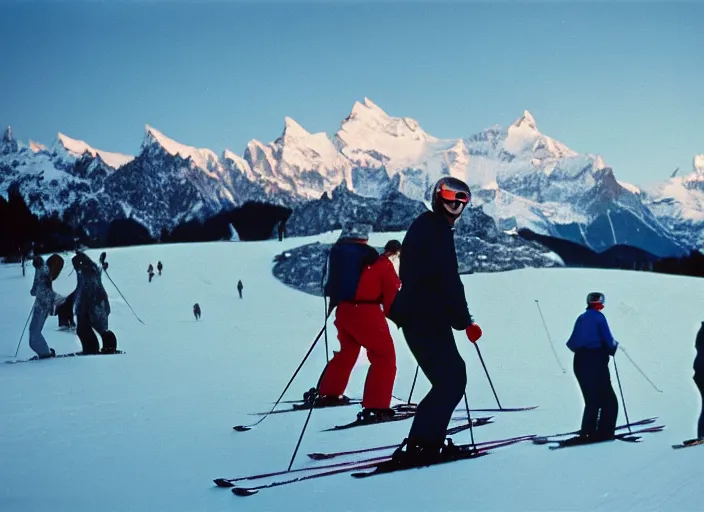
(430, 304)
(592, 344)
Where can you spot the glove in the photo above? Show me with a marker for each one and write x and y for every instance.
(105, 265)
(103, 255)
(474, 332)
(612, 351)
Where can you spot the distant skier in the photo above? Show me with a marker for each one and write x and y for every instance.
(699, 377)
(429, 305)
(45, 302)
(592, 344)
(196, 311)
(92, 306)
(150, 271)
(159, 267)
(240, 287)
(359, 283)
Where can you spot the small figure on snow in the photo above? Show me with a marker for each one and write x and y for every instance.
(240, 286)
(429, 305)
(92, 306)
(196, 311)
(592, 344)
(150, 271)
(359, 284)
(159, 267)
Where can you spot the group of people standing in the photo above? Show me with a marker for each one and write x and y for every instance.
(427, 301)
(89, 301)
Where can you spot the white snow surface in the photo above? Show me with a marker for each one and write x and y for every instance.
(150, 429)
(78, 147)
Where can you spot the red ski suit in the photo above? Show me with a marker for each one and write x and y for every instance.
(362, 323)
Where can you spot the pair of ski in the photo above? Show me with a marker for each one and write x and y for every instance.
(578, 440)
(363, 468)
(403, 411)
(688, 443)
(59, 356)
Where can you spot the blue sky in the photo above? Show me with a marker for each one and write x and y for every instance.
(622, 79)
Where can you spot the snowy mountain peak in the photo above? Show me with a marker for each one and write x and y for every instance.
(77, 148)
(36, 147)
(527, 121)
(599, 163)
(7, 136)
(293, 130)
(203, 158)
(699, 164)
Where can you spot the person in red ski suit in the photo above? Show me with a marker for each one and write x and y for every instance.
(362, 323)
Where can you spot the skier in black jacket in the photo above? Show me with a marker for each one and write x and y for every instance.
(429, 305)
(699, 377)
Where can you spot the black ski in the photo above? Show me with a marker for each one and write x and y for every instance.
(688, 443)
(450, 432)
(404, 416)
(547, 439)
(582, 441)
(59, 356)
(305, 407)
(338, 469)
(466, 451)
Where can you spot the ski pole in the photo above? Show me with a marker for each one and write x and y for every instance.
(325, 301)
(479, 353)
(325, 327)
(123, 297)
(244, 428)
(549, 338)
(410, 395)
(305, 425)
(623, 400)
(25, 328)
(469, 420)
(622, 349)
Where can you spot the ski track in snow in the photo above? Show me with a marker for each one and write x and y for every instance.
(150, 429)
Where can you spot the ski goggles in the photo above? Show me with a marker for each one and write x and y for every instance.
(450, 195)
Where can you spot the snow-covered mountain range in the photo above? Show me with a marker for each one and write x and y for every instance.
(519, 176)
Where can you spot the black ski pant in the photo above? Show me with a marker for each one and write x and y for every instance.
(699, 381)
(89, 341)
(436, 353)
(86, 334)
(591, 367)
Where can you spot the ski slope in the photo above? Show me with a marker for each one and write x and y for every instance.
(150, 429)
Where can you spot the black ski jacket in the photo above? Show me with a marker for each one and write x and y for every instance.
(431, 293)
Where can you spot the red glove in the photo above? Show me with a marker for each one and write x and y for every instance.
(474, 332)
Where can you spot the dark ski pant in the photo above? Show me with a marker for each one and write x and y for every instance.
(591, 367)
(699, 381)
(89, 341)
(436, 353)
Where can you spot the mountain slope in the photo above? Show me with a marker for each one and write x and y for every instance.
(164, 435)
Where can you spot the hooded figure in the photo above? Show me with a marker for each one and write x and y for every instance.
(44, 305)
(92, 307)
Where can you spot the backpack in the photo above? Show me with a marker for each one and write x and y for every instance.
(344, 268)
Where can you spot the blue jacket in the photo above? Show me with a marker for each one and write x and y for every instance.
(591, 331)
